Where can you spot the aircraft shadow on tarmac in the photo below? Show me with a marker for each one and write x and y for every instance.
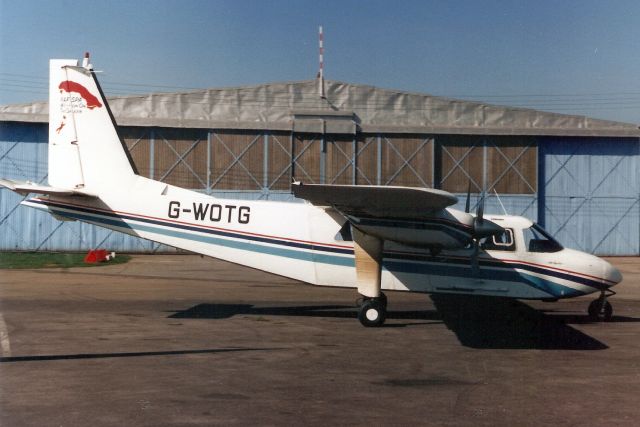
(478, 322)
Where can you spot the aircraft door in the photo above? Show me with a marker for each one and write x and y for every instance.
(332, 268)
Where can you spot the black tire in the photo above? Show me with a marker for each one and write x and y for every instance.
(372, 313)
(600, 310)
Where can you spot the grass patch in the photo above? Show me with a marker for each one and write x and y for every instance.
(51, 260)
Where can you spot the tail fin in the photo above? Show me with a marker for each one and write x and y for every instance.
(85, 151)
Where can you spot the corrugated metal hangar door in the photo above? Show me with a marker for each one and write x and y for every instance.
(590, 193)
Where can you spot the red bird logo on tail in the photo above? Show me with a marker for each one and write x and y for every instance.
(71, 86)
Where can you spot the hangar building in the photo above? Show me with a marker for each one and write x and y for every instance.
(575, 175)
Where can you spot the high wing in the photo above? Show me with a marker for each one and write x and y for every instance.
(27, 187)
(411, 216)
(377, 201)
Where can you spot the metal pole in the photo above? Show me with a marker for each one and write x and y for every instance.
(354, 173)
(484, 164)
(541, 195)
(265, 164)
(321, 60)
(379, 161)
(291, 161)
(152, 143)
(433, 162)
(323, 159)
(209, 161)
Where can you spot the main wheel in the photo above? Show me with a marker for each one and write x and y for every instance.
(372, 313)
(600, 310)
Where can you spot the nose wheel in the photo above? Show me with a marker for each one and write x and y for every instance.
(600, 310)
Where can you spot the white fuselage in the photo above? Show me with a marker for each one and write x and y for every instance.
(303, 242)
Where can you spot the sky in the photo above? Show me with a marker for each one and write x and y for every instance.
(574, 57)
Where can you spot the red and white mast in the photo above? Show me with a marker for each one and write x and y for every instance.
(321, 60)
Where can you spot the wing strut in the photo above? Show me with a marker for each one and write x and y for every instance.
(368, 254)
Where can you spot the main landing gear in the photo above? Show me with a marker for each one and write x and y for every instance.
(368, 253)
(600, 310)
(372, 312)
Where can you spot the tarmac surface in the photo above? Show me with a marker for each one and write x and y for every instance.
(183, 340)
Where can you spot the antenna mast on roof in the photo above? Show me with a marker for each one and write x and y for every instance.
(321, 58)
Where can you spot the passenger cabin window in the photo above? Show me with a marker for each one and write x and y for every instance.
(538, 240)
(500, 242)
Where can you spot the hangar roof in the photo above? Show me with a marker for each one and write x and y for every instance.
(346, 107)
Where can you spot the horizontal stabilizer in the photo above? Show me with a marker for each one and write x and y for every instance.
(376, 200)
(26, 187)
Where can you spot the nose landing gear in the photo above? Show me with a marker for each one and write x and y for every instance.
(600, 310)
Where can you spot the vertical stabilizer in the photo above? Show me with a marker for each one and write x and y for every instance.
(85, 151)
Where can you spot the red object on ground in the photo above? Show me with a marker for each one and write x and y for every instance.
(96, 255)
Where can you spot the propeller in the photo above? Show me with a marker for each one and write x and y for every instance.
(481, 228)
(467, 205)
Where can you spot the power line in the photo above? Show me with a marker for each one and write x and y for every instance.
(550, 101)
(566, 107)
(107, 82)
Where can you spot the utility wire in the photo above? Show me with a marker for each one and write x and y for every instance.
(13, 82)
(284, 102)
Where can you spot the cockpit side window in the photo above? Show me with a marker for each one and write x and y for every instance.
(500, 242)
(538, 240)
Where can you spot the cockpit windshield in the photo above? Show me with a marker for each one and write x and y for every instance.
(538, 240)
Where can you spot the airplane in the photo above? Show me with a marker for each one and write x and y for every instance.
(372, 238)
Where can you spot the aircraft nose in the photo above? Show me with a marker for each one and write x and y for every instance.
(611, 274)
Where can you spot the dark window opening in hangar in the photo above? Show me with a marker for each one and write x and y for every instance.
(575, 175)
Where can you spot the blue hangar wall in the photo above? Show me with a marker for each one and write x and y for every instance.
(588, 196)
(23, 156)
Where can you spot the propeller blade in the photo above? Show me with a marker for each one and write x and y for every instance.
(480, 210)
(467, 206)
(485, 228)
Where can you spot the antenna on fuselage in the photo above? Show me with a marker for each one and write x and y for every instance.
(500, 201)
